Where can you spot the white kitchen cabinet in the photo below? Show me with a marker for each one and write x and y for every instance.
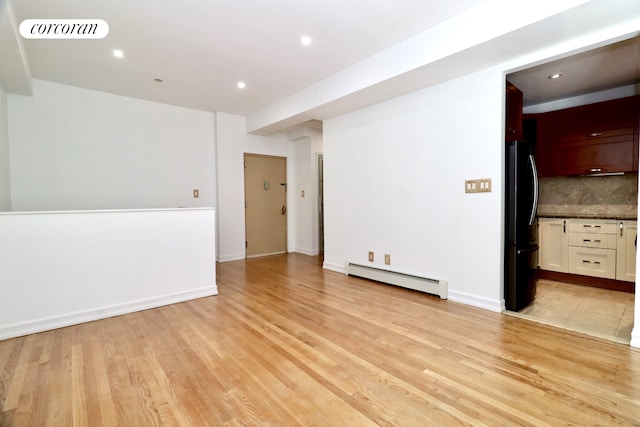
(592, 247)
(592, 262)
(593, 226)
(554, 244)
(626, 249)
(593, 240)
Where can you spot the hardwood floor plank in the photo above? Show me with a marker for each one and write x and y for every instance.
(79, 394)
(287, 343)
(16, 373)
(99, 369)
(9, 355)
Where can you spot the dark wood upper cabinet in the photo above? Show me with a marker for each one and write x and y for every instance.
(544, 153)
(590, 139)
(513, 119)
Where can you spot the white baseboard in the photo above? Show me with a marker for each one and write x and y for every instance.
(46, 324)
(266, 254)
(309, 252)
(338, 268)
(475, 301)
(635, 336)
(228, 258)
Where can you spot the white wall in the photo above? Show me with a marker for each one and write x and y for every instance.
(5, 182)
(73, 148)
(59, 269)
(232, 141)
(394, 183)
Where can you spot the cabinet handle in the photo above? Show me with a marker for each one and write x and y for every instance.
(592, 134)
(621, 228)
(586, 240)
(564, 226)
(594, 170)
(590, 262)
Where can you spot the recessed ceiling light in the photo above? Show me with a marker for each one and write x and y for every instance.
(305, 40)
(554, 76)
(118, 53)
(241, 85)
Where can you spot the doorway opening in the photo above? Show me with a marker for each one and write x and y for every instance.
(587, 220)
(321, 203)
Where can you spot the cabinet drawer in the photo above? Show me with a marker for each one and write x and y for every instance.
(592, 262)
(593, 240)
(600, 226)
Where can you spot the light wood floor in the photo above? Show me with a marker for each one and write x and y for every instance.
(286, 343)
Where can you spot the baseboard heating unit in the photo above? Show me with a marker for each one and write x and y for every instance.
(391, 277)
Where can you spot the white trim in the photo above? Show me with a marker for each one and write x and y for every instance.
(635, 337)
(334, 267)
(309, 252)
(268, 254)
(94, 211)
(476, 301)
(45, 324)
(228, 258)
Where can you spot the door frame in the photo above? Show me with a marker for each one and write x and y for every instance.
(320, 201)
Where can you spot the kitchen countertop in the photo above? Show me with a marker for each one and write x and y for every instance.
(587, 216)
(620, 212)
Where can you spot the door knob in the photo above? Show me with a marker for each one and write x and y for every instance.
(283, 209)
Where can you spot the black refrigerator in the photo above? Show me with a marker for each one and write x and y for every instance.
(521, 243)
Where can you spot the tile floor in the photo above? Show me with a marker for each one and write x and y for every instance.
(594, 311)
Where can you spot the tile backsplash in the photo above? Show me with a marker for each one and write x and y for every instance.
(584, 195)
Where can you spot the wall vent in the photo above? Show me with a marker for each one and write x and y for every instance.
(405, 280)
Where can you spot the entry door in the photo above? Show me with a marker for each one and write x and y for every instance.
(265, 190)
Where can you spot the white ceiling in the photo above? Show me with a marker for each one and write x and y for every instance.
(202, 48)
(363, 51)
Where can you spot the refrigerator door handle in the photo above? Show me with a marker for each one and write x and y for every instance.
(524, 251)
(534, 207)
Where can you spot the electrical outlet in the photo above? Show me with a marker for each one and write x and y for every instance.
(196, 194)
(387, 259)
(370, 256)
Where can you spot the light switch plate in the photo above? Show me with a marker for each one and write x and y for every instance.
(482, 185)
